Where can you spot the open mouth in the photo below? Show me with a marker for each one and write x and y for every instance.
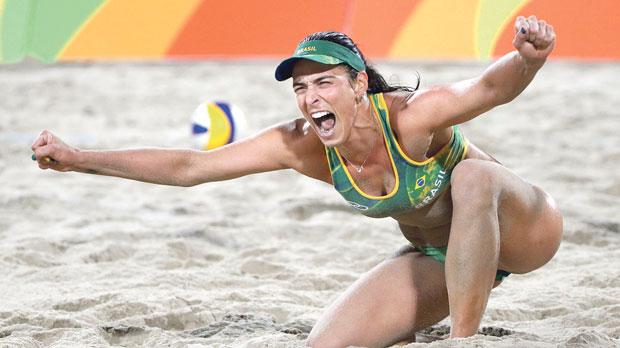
(325, 121)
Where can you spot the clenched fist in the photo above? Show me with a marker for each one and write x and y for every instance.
(534, 38)
(52, 153)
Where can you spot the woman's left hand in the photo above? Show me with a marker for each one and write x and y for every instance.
(534, 38)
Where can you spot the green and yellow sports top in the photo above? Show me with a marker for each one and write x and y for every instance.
(417, 185)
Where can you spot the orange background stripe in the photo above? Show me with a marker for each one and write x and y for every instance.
(268, 27)
(136, 28)
(584, 29)
(159, 29)
(376, 26)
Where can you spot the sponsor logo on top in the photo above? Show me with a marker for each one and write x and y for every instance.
(357, 206)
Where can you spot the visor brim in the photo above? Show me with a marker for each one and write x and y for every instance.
(285, 69)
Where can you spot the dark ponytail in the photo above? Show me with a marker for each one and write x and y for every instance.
(376, 82)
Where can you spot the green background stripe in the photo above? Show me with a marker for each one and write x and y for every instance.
(41, 28)
(54, 24)
(1, 41)
(15, 29)
(493, 13)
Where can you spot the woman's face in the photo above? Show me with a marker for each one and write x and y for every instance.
(326, 96)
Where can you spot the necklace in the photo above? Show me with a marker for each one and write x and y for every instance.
(361, 166)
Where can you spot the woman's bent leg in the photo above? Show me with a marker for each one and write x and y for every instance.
(498, 221)
(386, 305)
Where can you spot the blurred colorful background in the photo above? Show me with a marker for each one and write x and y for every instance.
(65, 30)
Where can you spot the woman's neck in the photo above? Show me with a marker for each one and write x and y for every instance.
(365, 133)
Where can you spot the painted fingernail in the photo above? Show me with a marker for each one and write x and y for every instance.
(34, 158)
(522, 30)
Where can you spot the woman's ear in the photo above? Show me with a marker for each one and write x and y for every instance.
(361, 83)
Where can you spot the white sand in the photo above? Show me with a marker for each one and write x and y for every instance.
(95, 261)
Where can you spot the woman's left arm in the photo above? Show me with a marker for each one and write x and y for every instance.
(501, 82)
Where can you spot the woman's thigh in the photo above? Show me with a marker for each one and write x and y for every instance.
(530, 223)
(386, 305)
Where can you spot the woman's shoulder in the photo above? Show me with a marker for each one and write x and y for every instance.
(398, 100)
(298, 131)
(402, 99)
(304, 150)
(289, 140)
(410, 115)
(414, 109)
(403, 109)
(299, 138)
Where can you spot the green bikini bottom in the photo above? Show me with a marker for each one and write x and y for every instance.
(439, 254)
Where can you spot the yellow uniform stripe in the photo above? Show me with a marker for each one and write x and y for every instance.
(383, 106)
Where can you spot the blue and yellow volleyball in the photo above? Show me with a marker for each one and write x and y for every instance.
(216, 123)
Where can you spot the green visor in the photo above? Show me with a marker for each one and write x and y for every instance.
(320, 51)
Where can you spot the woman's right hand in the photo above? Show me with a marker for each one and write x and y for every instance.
(52, 153)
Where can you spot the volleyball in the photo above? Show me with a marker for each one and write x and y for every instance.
(215, 124)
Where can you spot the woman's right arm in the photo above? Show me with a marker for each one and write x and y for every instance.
(266, 151)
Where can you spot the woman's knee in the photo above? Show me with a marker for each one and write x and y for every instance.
(475, 181)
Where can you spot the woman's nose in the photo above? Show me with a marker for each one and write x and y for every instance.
(311, 96)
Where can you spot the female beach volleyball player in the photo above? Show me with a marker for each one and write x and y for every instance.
(389, 151)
